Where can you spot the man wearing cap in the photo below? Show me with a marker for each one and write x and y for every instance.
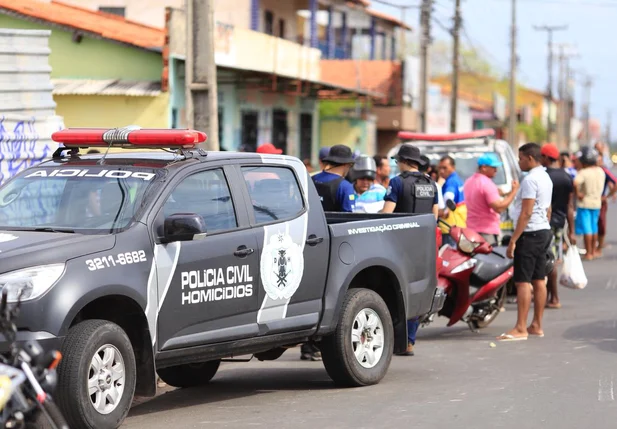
(411, 192)
(484, 204)
(562, 209)
(269, 148)
(336, 193)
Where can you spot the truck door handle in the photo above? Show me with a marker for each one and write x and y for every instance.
(313, 240)
(243, 252)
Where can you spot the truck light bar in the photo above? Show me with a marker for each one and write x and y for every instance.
(129, 137)
(409, 136)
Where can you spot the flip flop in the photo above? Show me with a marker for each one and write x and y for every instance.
(537, 335)
(553, 306)
(508, 337)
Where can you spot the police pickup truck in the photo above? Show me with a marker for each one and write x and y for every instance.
(167, 261)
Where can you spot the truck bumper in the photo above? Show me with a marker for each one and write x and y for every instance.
(45, 339)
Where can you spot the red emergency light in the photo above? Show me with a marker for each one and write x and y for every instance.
(130, 138)
(409, 136)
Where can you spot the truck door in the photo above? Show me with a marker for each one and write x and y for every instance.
(210, 292)
(293, 243)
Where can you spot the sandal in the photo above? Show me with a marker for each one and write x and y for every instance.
(509, 337)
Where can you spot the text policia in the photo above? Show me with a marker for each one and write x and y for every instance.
(216, 284)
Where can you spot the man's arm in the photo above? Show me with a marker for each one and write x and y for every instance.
(570, 217)
(549, 213)
(501, 205)
(436, 211)
(388, 207)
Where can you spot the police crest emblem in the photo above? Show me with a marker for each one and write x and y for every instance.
(282, 266)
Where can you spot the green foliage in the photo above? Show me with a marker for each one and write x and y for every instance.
(534, 132)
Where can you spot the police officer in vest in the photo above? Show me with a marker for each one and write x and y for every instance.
(411, 192)
(337, 194)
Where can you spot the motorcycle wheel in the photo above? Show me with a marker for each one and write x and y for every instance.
(501, 297)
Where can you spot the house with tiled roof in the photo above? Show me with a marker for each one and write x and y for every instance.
(106, 70)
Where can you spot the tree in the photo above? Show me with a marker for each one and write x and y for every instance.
(534, 132)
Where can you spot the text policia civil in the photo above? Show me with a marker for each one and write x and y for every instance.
(216, 284)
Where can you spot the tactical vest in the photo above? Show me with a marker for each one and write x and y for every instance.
(327, 193)
(418, 193)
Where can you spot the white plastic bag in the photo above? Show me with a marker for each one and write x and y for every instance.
(573, 274)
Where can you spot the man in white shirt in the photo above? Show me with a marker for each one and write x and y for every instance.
(530, 242)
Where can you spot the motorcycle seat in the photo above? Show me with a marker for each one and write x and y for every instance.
(491, 266)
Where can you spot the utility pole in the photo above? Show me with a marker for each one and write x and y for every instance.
(549, 92)
(425, 40)
(562, 135)
(201, 87)
(455, 66)
(513, 63)
(586, 108)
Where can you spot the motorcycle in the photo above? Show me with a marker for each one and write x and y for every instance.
(473, 276)
(27, 378)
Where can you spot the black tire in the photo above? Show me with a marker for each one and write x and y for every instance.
(72, 396)
(337, 349)
(501, 297)
(189, 375)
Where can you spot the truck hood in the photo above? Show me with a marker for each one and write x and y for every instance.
(23, 249)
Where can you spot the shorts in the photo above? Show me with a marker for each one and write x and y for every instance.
(602, 219)
(530, 256)
(586, 221)
(557, 243)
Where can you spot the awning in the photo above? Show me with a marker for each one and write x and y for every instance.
(106, 87)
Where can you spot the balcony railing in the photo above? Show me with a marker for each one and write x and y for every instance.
(339, 52)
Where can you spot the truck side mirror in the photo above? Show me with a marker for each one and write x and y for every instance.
(183, 227)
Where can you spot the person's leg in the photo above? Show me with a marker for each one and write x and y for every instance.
(524, 264)
(551, 286)
(584, 228)
(595, 221)
(602, 228)
(539, 284)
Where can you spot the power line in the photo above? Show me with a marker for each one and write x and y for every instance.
(567, 3)
(398, 6)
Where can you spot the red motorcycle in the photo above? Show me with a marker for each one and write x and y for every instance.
(473, 276)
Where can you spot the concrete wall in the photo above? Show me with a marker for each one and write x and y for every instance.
(113, 111)
(93, 58)
(358, 134)
(233, 12)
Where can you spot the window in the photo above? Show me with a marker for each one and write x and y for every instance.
(282, 28)
(206, 194)
(120, 11)
(275, 193)
(269, 23)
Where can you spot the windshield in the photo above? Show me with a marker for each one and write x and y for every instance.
(466, 164)
(86, 200)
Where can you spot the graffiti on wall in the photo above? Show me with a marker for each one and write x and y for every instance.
(24, 142)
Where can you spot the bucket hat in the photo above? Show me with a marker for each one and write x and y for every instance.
(340, 154)
(409, 152)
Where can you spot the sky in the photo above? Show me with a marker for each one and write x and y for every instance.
(591, 28)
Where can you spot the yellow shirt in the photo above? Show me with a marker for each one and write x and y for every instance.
(590, 182)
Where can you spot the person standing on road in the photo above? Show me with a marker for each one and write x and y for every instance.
(589, 185)
(565, 162)
(411, 192)
(530, 242)
(610, 188)
(369, 195)
(425, 168)
(562, 209)
(336, 193)
(484, 203)
(452, 189)
(383, 171)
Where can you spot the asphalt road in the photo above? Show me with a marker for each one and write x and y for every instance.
(456, 379)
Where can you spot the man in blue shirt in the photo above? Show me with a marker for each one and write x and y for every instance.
(453, 185)
(336, 193)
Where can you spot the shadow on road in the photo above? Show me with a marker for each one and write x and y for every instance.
(602, 334)
(238, 383)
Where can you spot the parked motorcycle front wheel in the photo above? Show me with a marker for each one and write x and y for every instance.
(494, 310)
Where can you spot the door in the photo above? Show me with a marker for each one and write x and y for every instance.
(250, 129)
(293, 244)
(306, 135)
(279, 129)
(210, 292)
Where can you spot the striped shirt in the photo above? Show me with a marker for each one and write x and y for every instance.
(372, 201)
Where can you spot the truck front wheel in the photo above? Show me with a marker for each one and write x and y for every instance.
(189, 375)
(97, 375)
(359, 351)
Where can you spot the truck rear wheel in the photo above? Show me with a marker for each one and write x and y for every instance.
(97, 375)
(189, 375)
(359, 351)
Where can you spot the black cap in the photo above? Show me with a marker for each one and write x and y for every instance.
(409, 152)
(340, 154)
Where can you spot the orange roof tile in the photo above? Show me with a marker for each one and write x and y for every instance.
(102, 24)
(383, 77)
